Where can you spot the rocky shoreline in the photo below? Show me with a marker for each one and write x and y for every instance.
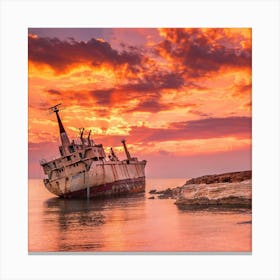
(225, 190)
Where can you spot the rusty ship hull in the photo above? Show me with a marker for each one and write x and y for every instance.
(101, 180)
(85, 170)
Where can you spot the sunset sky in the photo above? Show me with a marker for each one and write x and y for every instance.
(180, 97)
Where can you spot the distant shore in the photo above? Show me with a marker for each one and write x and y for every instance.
(232, 189)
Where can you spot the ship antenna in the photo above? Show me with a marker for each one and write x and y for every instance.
(89, 143)
(63, 135)
(81, 135)
(113, 153)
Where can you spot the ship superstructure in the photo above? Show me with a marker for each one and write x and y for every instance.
(83, 170)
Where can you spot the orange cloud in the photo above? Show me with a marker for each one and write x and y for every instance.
(202, 51)
(171, 90)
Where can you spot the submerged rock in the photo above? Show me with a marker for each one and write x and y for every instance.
(244, 223)
(152, 191)
(169, 193)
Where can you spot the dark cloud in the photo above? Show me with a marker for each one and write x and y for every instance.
(248, 105)
(152, 106)
(201, 53)
(147, 90)
(242, 89)
(199, 129)
(60, 55)
(245, 88)
(151, 103)
(54, 91)
(102, 97)
(40, 105)
(155, 82)
(223, 126)
(170, 80)
(101, 100)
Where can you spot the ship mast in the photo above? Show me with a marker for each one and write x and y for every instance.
(63, 135)
(126, 150)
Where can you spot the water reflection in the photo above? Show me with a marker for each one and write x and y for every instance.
(80, 223)
(64, 206)
(132, 224)
(214, 209)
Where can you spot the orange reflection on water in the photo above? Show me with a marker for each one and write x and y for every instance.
(132, 224)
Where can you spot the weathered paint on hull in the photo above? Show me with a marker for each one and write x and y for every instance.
(100, 178)
(110, 189)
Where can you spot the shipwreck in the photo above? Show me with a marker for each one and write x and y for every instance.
(84, 170)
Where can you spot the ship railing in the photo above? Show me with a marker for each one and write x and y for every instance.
(45, 180)
(43, 161)
(46, 160)
(79, 144)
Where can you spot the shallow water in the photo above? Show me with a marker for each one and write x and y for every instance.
(132, 223)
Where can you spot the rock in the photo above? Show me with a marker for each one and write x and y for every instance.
(222, 178)
(224, 190)
(168, 193)
(152, 191)
(237, 195)
(244, 223)
(159, 192)
(151, 197)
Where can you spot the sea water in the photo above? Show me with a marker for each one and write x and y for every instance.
(132, 223)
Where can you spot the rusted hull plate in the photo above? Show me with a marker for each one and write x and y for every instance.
(126, 186)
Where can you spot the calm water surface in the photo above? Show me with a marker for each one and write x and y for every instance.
(132, 224)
